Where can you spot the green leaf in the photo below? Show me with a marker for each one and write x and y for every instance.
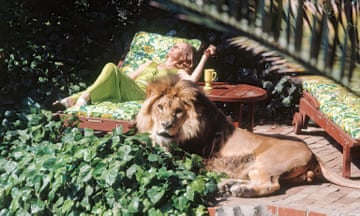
(155, 212)
(85, 172)
(131, 170)
(10, 166)
(186, 175)
(190, 193)
(148, 176)
(99, 169)
(88, 133)
(43, 79)
(45, 182)
(86, 203)
(37, 206)
(110, 197)
(165, 173)
(36, 181)
(110, 176)
(2, 165)
(23, 135)
(211, 187)
(188, 164)
(87, 154)
(124, 153)
(89, 190)
(49, 163)
(201, 210)
(182, 203)
(18, 155)
(67, 206)
(153, 158)
(14, 206)
(286, 101)
(155, 193)
(134, 205)
(198, 185)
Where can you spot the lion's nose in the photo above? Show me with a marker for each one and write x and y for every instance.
(166, 125)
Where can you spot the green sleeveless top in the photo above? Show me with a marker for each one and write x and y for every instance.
(151, 73)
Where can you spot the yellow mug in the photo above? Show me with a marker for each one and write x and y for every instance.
(209, 75)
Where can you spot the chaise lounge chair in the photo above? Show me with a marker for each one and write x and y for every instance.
(334, 109)
(106, 116)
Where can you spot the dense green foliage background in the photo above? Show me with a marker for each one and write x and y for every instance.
(51, 48)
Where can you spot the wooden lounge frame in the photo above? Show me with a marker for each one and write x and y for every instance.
(309, 108)
(99, 124)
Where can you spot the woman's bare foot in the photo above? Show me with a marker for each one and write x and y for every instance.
(62, 104)
(83, 99)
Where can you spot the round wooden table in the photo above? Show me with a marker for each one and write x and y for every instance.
(236, 95)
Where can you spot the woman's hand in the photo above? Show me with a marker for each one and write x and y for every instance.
(196, 74)
(210, 51)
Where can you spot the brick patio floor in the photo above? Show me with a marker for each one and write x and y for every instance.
(322, 198)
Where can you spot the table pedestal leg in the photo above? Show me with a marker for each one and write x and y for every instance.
(240, 115)
(237, 110)
(252, 113)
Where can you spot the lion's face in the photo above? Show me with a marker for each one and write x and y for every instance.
(168, 115)
(169, 112)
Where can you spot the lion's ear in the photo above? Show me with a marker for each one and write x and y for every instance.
(187, 90)
(149, 91)
(155, 88)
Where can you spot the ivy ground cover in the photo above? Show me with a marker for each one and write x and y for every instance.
(46, 169)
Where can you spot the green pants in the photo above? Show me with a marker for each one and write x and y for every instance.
(113, 85)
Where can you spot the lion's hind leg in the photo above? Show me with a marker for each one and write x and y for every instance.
(255, 187)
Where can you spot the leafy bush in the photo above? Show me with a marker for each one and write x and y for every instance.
(48, 169)
(54, 48)
(244, 65)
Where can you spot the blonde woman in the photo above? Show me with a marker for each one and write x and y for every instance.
(115, 86)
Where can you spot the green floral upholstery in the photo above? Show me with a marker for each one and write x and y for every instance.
(120, 111)
(144, 47)
(339, 105)
(151, 46)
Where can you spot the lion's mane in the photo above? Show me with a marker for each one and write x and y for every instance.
(205, 128)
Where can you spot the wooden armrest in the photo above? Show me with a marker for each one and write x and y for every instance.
(311, 99)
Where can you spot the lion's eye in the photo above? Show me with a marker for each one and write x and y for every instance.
(178, 111)
(160, 107)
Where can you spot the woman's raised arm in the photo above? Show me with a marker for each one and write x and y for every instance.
(196, 74)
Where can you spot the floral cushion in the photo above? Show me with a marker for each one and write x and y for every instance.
(151, 46)
(119, 111)
(337, 103)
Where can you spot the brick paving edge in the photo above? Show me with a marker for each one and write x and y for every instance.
(262, 210)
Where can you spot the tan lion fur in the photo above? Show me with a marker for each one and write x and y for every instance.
(177, 111)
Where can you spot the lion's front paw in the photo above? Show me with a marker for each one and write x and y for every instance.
(224, 188)
(245, 188)
(234, 187)
(241, 190)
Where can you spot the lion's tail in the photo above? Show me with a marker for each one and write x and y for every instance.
(334, 178)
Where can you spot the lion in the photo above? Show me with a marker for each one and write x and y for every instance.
(179, 112)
